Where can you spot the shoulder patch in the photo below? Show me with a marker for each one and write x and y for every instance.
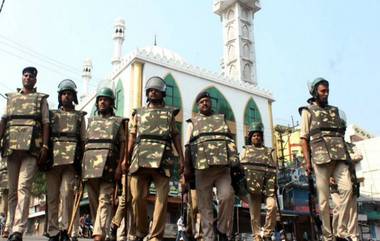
(302, 108)
(43, 95)
(176, 111)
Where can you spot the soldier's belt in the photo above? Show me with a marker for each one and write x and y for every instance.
(28, 117)
(257, 164)
(319, 130)
(107, 141)
(193, 139)
(207, 140)
(153, 137)
(65, 134)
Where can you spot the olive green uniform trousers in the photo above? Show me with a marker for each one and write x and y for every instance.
(347, 202)
(100, 197)
(22, 168)
(60, 187)
(139, 189)
(254, 202)
(205, 180)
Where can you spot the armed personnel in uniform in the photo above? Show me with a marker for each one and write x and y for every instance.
(211, 150)
(152, 132)
(67, 133)
(261, 172)
(25, 131)
(324, 147)
(351, 223)
(102, 160)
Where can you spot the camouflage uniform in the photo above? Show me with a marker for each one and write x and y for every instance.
(260, 171)
(104, 140)
(152, 160)
(24, 115)
(67, 130)
(212, 152)
(321, 127)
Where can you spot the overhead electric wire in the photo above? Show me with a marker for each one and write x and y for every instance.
(41, 59)
(2, 5)
(55, 66)
(39, 55)
(45, 59)
(42, 65)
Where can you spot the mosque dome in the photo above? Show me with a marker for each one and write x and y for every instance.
(163, 53)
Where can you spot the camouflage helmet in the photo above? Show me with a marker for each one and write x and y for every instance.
(314, 84)
(256, 127)
(156, 83)
(67, 84)
(105, 92)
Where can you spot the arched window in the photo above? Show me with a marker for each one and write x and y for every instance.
(231, 52)
(119, 99)
(220, 105)
(232, 70)
(230, 33)
(245, 14)
(247, 72)
(173, 98)
(251, 114)
(246, 51)
(230, 14)
(245, 31)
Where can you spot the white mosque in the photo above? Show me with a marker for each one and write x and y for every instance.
(235, 90)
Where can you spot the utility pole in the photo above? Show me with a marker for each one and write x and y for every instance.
(281, 130)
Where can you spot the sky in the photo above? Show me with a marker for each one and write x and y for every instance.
(295, 40)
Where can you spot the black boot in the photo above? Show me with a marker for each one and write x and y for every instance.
(343, 239)
(55, 237)
(221, 236)
(16, 236)
(112, 234)
(64, 236)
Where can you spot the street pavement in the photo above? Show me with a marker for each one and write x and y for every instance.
(41, 238)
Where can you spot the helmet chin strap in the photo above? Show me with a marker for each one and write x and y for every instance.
(156, 101)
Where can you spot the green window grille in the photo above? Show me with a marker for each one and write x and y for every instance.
(219, 104)
(251, 113)
(119, 99)
(173, 98)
